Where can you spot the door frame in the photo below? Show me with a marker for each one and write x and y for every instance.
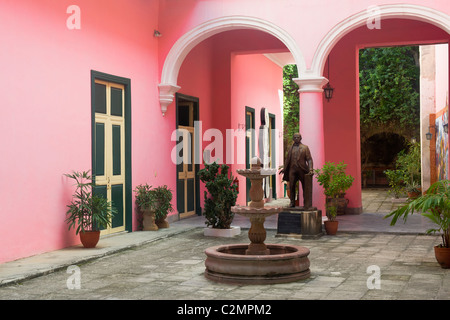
(273, 152)
(195, 100)
(96, 75)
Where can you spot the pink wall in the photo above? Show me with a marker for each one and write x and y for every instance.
(256, 82)
(46, 119)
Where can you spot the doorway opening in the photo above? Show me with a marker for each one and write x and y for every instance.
(188, 184)
(389, 91)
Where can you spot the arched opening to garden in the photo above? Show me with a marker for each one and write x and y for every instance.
(344, 137)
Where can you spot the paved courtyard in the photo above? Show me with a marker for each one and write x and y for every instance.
(169, 264)
(345, 266)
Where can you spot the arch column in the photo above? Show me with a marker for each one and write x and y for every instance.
(311, 127)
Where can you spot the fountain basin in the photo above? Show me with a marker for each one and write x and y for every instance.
(231, 264)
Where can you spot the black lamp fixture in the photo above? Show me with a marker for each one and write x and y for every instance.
(328, 90)
(445, 127)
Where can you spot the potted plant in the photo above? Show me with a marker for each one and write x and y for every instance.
(331, 225)
(154, 204)
(88, 213)
(335, 182)
(163, 205)
(435, 205)
(220, 196)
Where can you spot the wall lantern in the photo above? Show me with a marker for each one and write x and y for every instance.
(446, 128)
(157, 34)
(328, 90)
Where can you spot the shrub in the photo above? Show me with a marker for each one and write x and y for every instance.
(220, 197)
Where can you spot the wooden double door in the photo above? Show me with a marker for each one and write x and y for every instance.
(109, 148)
(188, 203)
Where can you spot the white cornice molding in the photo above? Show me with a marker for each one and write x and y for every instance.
(311, 84)
(166, 95)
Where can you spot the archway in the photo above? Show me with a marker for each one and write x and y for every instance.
(382, 12)
(168, 86)
(400, 25)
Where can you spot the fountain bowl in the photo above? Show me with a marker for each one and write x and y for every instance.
(230, 264)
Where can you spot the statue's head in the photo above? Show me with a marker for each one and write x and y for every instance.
(297, 138)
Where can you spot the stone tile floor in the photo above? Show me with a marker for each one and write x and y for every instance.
(379, 200)
(169, 264)
(173, 269)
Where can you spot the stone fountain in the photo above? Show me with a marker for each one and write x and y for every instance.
(257, 262)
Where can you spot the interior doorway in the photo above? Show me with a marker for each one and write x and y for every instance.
(188, 187)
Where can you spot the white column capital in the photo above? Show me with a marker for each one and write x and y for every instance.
(166, 95)
(311, 84)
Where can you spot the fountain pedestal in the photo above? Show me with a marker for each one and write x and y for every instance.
(257, 232)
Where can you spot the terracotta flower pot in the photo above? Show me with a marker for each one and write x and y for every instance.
(442, 256)
(162, 223)
(149, 221)
(331, 227)
(89, 239)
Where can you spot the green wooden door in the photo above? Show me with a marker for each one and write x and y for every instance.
(109, 148)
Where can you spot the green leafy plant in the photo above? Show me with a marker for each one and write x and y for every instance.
(335, 182)
(220, 197)
(435, 205)
(157, 200)
(331, 212)
(163, 198)
(333, 179)
(407, 175)
(389, 89)
(409, 162)
(290, 104)
(87, 211)
(396, 180)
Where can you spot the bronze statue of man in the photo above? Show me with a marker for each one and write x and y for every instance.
(298, 166)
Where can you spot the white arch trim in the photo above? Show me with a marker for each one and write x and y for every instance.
(168, 86)
(405, 11)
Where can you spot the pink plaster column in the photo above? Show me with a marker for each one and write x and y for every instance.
(311, 128)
